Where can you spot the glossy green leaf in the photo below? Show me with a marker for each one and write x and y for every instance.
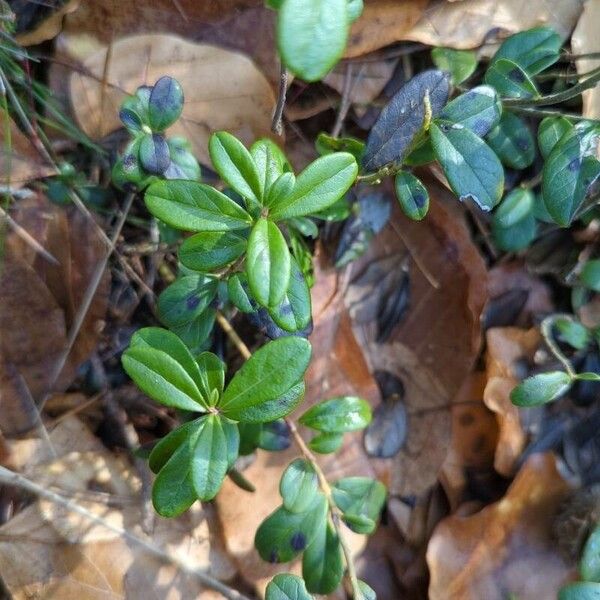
(569, 171)
(168, 445)
(515, 206)
(193, 206)
(571, 331)
(287, 587)
(355, 9)
(239, 293)
(173, 492)
(211, 250)
(550, 130)
(183, 162)
(209, 458)
(165, 103)
(311, 35)
(338, 415)
(322, 566)
(581, 590)
(321, 184)
(267, 376)
(185, 299)
(154, 153)
(512, 141)
(326, 443)
(360, 523)
(294, 312)
(461, 64)
(212, 375)
(268, 263)
(399, 127)
(360, 497)
(274, 436)
(234, 163)
(412, 195)
(422, 154)
(281, 190)
(327, 144)
(305, 226)
(479, 110)
(195, 333)
(367, 591)
(541, 388)
(510, 80)
(588, 376)
(589, 565)
(299, 486)
(472, 169)
(590, 274)
(533, 50)
(517, 236)
(232, 438)
(284, 534)
(270, 162)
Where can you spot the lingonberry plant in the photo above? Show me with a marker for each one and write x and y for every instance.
(248, 252)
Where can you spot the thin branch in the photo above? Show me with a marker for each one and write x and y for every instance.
(539, 112)
(546, 330)
(345, 102)
(277, 123)
(9, 477)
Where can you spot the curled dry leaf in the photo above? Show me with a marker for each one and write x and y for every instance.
(241, 102)
(75, 559)
(584, 40)
(337, 368)
(49, 27)
(506, 549)
(38, 304)
(506, 346)
(431, 358)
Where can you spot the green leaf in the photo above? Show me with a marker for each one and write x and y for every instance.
(274, 436)
(165, 103)
(268, 263)
(472, 169)
(194, 206)
(541, 388)
(270, 162)
(367, 591)
(281, 190)
(581, 590)
(326, 443)
(168, 445)
(589, 566)
(588, 376)
(268, 375)
(510, 80)
(590, 274)
(327, 144)
(515, 206)
(355, 9)
(479, 110)
(512, 141)
(399, 127)
(238, 291)
(212, 375)
(294, 313)
(550, 131)
(338, 415)
(360, 497)
(311, 35)
(284, 534)
(572, 332)
(173, 492)
(299, 486)
(185, 299)
(569, 171)
(287, 587)
(517, 236)
(209, 459)
(196, 333)
(183, 163)
(412, 195)
(533, 50)
(235, 165)
(232, 438)
(421, 155)
(154, 153)
(211, 250)
(273, 409)
(319, 186)
(322, 566)
(461, 64)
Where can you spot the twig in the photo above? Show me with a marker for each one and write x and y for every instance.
(546, 331)
(310, 457)
(9, 477)
(345, 103)
(537, 112)
(277, 123)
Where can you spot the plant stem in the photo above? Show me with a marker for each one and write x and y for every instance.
(546, 330)
(277, 123)
(535, 112)
(8, 477)
(311, 458)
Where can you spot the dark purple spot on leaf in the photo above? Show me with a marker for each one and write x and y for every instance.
(522, 144)
(274, 556)
(298, 541)
(419, 200)
(574, 164)
(192, 302)
(516, 75)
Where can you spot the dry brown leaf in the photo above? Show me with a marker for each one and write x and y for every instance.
(337, 368)
(506, 346)
(50, 27)
(47, 551)
(506, 548)
(20, 162)
(223, 89)
(436, 342)
(585, 40)
(38, 304)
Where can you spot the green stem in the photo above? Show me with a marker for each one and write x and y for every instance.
(546, 330)
(535, 112)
